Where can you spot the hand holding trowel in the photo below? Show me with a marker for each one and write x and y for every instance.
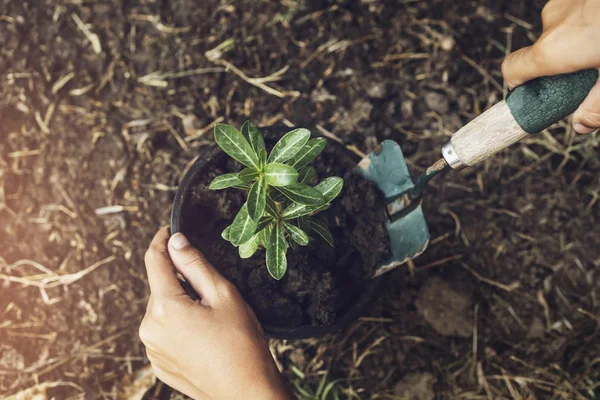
(528, 109)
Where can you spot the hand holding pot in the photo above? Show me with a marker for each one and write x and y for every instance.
(568, 43)
(213, 348)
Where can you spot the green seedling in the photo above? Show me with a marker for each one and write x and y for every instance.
(281, 202)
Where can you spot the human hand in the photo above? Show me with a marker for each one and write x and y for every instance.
(569, 43)
(208, 349)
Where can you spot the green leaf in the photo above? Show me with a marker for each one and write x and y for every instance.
(247, 175)
(225, 233)
(307, 175)
(321, 228)
(276, 196)
(309, 152)
(243, 227)
(276, 249)
(264, 235)
(224, 181)
(330, 188)
(257, 199)
(296, 210)
(254, 137)
(302, 194)
(289, 145)
(262, 158)
(245, 133)
(264, 222)
(248, 248)
(243, 186)
(297, 234)
(278, 174)
(271, 208)
(235, 145)
(302, 223)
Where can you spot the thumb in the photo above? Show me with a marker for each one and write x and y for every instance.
(587, 117)
(195, 268)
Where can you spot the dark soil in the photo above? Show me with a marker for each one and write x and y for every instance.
(514, 256)
(321, 282)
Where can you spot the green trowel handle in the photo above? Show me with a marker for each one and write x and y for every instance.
(529, 108)
(540, 103)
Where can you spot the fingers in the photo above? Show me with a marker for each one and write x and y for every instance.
(587, 117)
(196, 269)
(160, 270)
(520, 67)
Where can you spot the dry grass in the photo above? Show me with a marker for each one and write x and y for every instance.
(104, 107)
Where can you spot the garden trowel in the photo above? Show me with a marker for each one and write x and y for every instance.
(529, 108)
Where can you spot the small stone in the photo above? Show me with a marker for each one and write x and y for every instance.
(447, 43)
(446, 308)
(436, 102)
(377, 90)
(417, 386)
(407, 109)
(536, 329)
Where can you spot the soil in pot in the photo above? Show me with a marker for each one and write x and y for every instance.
(321, 282)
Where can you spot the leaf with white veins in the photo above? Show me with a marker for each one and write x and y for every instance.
(296, 234)
(306, 175)
(302, 194)
(289, 145)
(247, 175)
(271, 207)
(225, 233)
(321, 228)
(278, 174)
(232, 142)
(276, 249)
(309, 152)
(248, 248)
(330, 188)
(257, 199)
(254, 137)
(243, 227)
(225, 181)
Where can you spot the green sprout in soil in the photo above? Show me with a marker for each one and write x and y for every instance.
(280, 200)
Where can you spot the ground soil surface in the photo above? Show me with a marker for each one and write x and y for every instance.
(104, 105)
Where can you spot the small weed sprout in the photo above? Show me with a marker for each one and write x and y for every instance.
(280, 200)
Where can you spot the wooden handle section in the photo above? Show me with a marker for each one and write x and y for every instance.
(486, 135)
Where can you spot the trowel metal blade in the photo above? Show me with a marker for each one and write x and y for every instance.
(409, 235)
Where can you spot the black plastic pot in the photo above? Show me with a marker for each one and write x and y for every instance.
(178, 215)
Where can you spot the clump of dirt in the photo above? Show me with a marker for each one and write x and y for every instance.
(321, 282)
(446, 307)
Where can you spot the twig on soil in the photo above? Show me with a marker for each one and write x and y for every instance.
(440, 262)
(509, 288)
(159, 79)
(258, 82)
(115, 209)
(155, 20)
(589, 314)
(92, 37)
(483, 72)
(316, 14)
(328, 134)
(50, 280)
(544, 304)
(527, 169)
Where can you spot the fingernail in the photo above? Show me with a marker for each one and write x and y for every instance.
(178, 241)
(580, 128)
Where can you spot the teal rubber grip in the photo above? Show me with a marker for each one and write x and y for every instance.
(542, 102)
